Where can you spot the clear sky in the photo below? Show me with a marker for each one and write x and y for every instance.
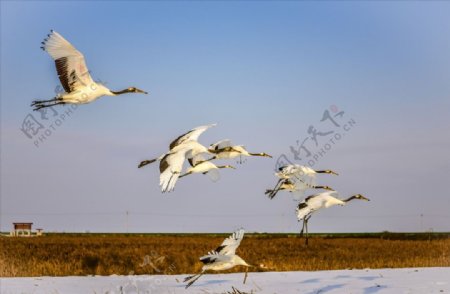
(265, 72)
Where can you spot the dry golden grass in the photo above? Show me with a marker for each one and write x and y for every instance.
(84, 254)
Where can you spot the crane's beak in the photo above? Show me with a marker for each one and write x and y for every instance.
(363, 198)
(141, 91)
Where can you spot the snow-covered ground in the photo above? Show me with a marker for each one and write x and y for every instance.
(409, 280)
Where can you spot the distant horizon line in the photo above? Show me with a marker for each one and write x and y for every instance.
(3, 233)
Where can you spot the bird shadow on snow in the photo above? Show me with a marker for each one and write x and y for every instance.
(212, 282)
(374, 289)
(310, 281)
(327, 288)
(368, 278)
(206, 283)
(368, 290)
(342, 277)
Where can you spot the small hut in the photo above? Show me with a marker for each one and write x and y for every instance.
(22, 229)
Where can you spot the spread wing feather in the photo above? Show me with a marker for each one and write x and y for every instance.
(213, 257)
(191, 135)
(221, 144)
(170, 167)
(230, 244)
(197, 159)
(70, 64)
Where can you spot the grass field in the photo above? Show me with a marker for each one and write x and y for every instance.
(122, 254)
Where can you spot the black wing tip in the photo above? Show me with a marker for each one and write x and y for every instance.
(207, 260)
(44, 42)
(302, 205)
(218, 249)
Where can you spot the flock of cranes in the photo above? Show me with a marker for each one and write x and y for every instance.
(80, 88)
(297, 179)
(186, 147)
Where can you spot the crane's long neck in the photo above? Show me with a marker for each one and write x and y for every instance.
(327, 171)
(124, 91)
(349, 198)
(225, 166)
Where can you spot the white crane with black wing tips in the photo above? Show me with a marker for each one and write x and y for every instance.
(223, 258)
(175, 145)
(297, 179)
(74, 76)
(315, 202)
(171, 163)
(200, 165)
(224, 149)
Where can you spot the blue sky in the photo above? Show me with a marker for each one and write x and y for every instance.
(264, 71)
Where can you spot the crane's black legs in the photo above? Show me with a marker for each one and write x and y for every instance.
(40, 106)
(193, 279)
(306, 225)
(145, 162)
(246, 274)
(273, 192)
(305, 228)
(35, 102)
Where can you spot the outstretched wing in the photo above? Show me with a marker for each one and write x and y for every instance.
(230, 244)
(213, 257)
(285, 172)
(221, 144)
(304, 178)
(170, 168)
(195, 160)
(316, 202)
(213, 174)
(70, 63)
(191, 135)
(199, 159)
(298, 193)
